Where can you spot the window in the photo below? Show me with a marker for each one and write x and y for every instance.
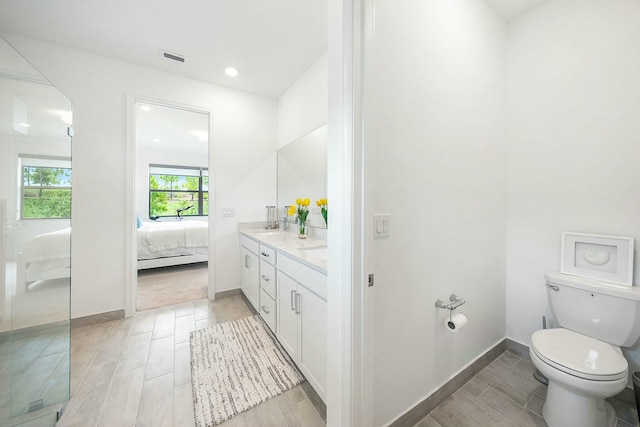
(45, 190)
(178, 191)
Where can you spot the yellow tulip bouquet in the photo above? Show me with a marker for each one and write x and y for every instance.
(323, 203)
(302, 211)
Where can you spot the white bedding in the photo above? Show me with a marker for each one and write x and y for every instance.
(48, 256)
(48, 247)
(155, 240)
(159, 237)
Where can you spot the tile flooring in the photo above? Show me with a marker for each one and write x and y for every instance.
(137, 371)
(504, 394)
(157, 286)
(34, 374)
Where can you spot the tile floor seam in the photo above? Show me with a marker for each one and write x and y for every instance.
(84, 375)
(106, 393)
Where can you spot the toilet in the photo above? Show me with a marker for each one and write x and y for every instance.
(582, 358)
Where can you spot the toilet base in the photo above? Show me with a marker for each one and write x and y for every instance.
(563, 408)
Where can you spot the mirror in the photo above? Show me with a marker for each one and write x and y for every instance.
(35, 243)
(302, 173)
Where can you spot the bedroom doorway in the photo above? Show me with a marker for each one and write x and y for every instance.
(172, 204)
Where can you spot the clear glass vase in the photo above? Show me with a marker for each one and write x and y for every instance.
(302, 230)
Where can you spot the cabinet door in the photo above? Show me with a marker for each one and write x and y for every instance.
(250, 276)
(287, 317)
(312, 359)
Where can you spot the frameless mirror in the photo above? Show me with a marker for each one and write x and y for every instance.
(35, 248)
(302, 173)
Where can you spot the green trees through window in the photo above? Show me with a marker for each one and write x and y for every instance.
(46, 192)
(185, 193)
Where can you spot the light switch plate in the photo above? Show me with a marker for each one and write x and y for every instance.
(381, 225)
(228, 212)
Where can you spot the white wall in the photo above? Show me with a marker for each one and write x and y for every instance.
(304, 107)
(243, 136)
(574, 141)
(439, 170)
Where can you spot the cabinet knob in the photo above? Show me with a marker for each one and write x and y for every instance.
(265, 278)
(264, 254)
(264, 308)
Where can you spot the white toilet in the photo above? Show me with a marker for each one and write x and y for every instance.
(582, 359)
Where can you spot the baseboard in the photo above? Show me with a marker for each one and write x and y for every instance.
(93, 319)
(316, 401)
(229, 293)
(518, 349)
(5, 336)
(424, 408)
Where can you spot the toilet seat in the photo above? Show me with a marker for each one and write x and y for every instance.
(579, 355)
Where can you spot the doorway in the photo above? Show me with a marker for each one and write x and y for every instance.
(172, 204)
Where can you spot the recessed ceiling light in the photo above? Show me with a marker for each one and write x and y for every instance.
(145, 108)
(156, 140)
(231, 71)
(24, 125)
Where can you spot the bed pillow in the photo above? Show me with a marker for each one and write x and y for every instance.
(138, 221)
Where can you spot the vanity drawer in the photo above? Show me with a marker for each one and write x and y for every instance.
(267, 253)
(268, 310)
(250, 244)
(268, 278)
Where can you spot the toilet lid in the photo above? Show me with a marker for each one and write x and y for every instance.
(579, 355)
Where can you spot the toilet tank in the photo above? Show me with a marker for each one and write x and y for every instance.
(595, 308)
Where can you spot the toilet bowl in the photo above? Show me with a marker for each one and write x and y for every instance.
(582, 358)
(582, 372)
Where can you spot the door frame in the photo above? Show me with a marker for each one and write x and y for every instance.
(350, 325)
(131, 270)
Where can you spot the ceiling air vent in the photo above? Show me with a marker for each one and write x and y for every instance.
(173, 56)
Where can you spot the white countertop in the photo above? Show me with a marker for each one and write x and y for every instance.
(289, 243)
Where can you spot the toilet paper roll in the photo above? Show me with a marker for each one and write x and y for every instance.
(457, 322)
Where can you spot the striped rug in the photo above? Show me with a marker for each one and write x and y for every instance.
(236, 366)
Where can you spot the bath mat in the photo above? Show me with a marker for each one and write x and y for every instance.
(235, 366)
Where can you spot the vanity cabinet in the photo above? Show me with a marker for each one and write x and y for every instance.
(250, 273)
(268, 306)
(302, 319)
(291, 298)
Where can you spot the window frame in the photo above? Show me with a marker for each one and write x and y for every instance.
(202, 173)
(36, 161)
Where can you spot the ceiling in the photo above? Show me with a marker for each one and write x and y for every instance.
(511, 9)
(171, 129)
(271, 42)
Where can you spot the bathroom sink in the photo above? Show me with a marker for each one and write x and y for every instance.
(317, 251)
(268, 232)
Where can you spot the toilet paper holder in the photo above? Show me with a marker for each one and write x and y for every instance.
(456, 302)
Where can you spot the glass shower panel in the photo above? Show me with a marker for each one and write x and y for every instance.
(35, 244)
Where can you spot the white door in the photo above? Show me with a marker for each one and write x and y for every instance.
(287, 316)
(312, 359)
(250, 276)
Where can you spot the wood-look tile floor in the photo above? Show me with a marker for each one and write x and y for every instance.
(504, 394)
(157, 286)
(137, 371)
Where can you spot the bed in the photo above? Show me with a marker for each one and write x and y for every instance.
(160, 244)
